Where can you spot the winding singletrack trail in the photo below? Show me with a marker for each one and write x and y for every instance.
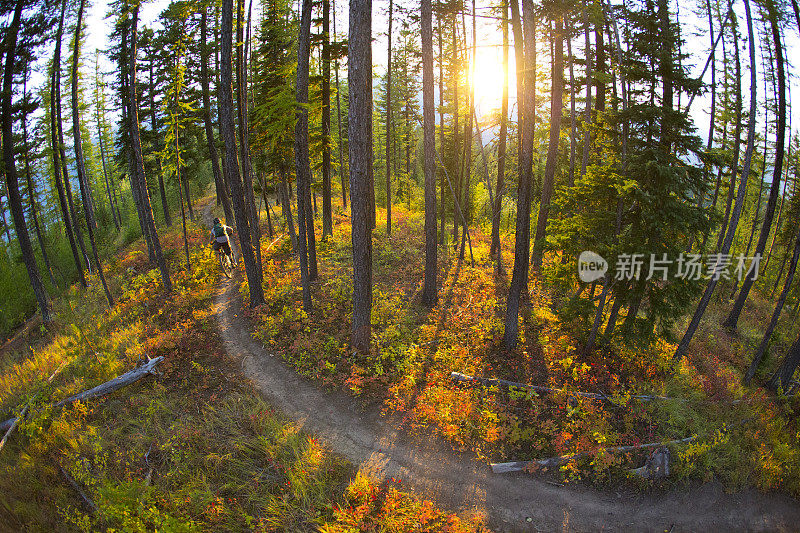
(458, 482)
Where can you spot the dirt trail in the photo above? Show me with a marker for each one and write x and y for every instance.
(512, 502)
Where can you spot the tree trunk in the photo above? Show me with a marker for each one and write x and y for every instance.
(339, 123)
(286, 209)
(737, 130)
(124, 67)
(495, 248)
(327, 216)
(12, 180)
(137, 174)
(262, 183)
(556, 103)
(572, 118)
(6, 226)
(100, 105)
(219, 182)
(779, 218)
(783, 375)
(57, 167)
(389, 125)
(302, 164)
(244, 143)
(526, 112)
(600, 54)
(762, 348)
(188, 199)
(359, 75)
(83, 180)
(232, 159)
(63, 160)
(587, 116)
(429, 296)
(748, 155)
(733, 317)
(442, 214)
(456, 147)
(464, 195)
(666, 68)
(181, 183)
(29, 179)
(712, 111)
(154, 124)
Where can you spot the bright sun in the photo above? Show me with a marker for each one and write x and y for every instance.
(488, 79)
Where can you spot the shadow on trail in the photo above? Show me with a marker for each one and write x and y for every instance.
(459, 482)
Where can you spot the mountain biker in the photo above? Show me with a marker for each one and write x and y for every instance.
(219, 237)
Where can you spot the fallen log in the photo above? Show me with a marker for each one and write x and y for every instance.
(103, 389)
(458, 376)
(549, 462)
(14, 425)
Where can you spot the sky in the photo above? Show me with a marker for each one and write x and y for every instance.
(489, 74)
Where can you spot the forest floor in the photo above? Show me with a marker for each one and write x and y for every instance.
(192, 448)
(199, 447)
(381, 445)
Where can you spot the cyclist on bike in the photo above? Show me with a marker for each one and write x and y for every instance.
(219, 238)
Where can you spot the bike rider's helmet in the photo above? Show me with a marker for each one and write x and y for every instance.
(216, 221)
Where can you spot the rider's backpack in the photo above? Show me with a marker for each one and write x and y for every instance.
(219, 230)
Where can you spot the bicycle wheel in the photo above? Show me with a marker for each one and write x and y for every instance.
(225, 264)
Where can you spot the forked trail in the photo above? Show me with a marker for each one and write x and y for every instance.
(459, 482)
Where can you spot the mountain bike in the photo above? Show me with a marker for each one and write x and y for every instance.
(225, 262)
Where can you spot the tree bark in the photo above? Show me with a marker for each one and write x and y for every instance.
(712, 111)
(572, 118)
(327, 216)
(522, 244)
(181, 182)
(556, 103)
(359, 74)
(389, 126)
(339, 122)
(587, 116)
(429, 295)
(219, 182)
(733, 317)
(286, 209)
(63, 160)
(29, 179)
(736, 136)
(783, 375)
(12, 180)
(244, 142)
(83, 180)
(456, 147)
(99, 113)
(154, 125)
(751, 132)
(232, 158)
(66, 217)
(495, 247)
(305, 220)
(762, 348)
(138, 164)
(442, 213)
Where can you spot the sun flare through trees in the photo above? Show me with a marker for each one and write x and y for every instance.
(570, 248)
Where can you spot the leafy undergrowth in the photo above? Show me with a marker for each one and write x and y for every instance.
(750, 443)
(192, 449)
